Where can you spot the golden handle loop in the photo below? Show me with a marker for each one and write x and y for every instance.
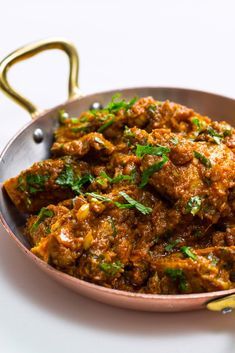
(222, 304)
(27, 52)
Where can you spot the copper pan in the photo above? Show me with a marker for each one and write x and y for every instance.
(32, 144)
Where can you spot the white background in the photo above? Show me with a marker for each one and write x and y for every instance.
(121, 44)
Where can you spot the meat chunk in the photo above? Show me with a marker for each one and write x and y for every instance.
(46, 182)
(79, 148)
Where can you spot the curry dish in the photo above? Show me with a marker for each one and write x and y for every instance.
(137, 196)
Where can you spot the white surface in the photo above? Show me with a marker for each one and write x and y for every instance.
(121, 43)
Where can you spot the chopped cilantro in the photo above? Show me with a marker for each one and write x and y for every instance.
(151, 170)
(131, 202)
(171, 245)
(36, 182)
(194, 205)
(215, 135)
(141, 208)
(99, 197)
(214, 260)
(43, 214)
(152, 108)
(153, 150)
(227, 132)
(174, 140)
(106, 125)
(205, 161)
(117, 179)
(68, 179)
(111, 269)
(21, 183)
(81, 181)
(200, 124)
(186, 250)
(179, 276)
(116, 104)
(128, 132)
(112, 223)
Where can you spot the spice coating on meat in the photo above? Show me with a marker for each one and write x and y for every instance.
(138, 196)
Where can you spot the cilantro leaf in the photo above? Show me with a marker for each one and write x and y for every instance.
(128, 132)
(117, 179)
(179, 276)
(215, 135)
(36, 182)
(171, 245)
(43, 214)
(205, 161)
(174, 140)
(111, 269)
(140, 207)
(81, 181)
(131, 202)
(186, 250)
(153, 150)
(99, 197)
(151, 170)
(116, 104)
(67, 179)
(194, 205)
(200, 124)
(106, 125)
(113, 226)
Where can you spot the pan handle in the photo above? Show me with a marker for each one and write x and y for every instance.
(224, 304)
(27, 52)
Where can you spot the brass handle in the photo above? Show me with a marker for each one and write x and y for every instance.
(224, 304)
(27, 52)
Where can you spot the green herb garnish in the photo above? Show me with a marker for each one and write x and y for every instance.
(99, 197)
(128, 132)
(141, 208)
(215, 135)
(131, 202)
(43, 214)
(171, 245)
(179, 276)
(113, 226)
(194, 205)
(106, 125)
(205, 161)
(151, 170)
(153, 150)
(186, 250)
(116, 104)
(21, 183)
(111, 269)
(174, 140)
(200, 124)
(36, 182)
(117, 179)
(68, 179)
(152, 108)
